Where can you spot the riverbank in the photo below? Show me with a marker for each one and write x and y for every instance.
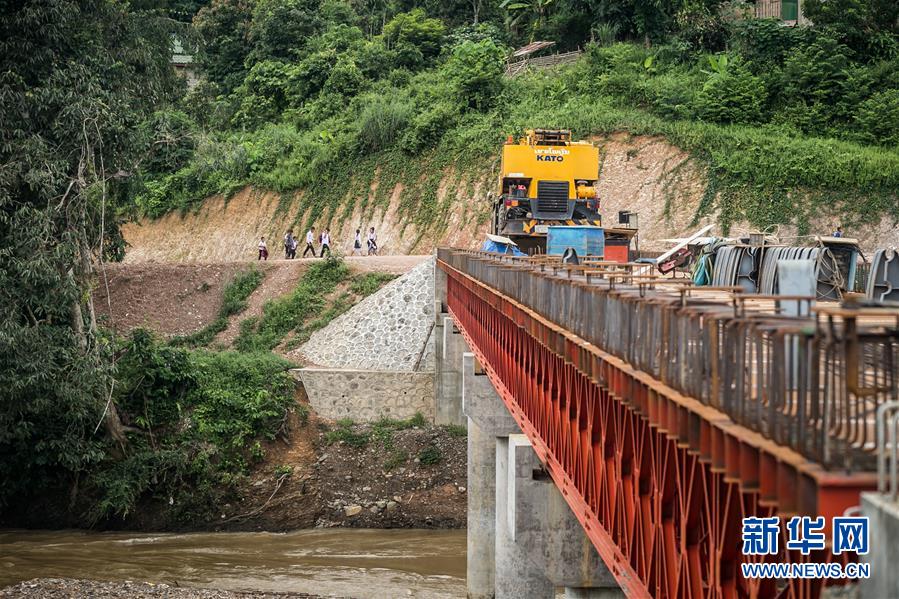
(65, 588)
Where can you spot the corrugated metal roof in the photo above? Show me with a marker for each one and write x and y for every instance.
(531, 48)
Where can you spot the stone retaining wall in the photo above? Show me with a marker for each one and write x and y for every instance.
(368, 395)
(388, 330)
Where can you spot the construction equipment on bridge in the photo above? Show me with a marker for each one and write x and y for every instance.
(546, 179)
(883, 280)
(586, 241)
(667, 412)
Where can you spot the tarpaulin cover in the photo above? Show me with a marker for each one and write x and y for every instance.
(501, 248)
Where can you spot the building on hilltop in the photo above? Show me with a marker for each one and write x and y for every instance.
(788, 11)
(183, 62)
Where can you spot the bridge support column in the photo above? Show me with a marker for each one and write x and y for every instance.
(516, 574)
(488, 419)
(545, 529)
(450, 345)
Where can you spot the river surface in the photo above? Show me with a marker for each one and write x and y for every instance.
(344, 562)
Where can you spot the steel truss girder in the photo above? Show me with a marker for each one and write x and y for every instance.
(659, 481)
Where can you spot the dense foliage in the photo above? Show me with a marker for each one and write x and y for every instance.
(195, 418)
(788, 119)
(76, 76)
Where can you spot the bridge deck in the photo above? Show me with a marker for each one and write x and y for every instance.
(665, 413)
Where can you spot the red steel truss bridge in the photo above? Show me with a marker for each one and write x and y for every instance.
(666, 413)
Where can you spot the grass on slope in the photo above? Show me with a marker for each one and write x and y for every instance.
(282, 315)
(234, 301)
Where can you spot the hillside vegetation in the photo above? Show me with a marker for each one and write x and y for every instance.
(788, 121)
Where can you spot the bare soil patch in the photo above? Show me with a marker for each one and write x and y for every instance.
(170, 299)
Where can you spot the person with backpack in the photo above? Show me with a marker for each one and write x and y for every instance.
(357, 243)
(310, 240)
(263, 249)
(289, 245)
(326, 243)
(372, 242)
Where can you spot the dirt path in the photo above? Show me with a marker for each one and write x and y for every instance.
(179, 299)
(282, 276)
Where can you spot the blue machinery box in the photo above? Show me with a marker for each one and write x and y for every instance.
(586, 241)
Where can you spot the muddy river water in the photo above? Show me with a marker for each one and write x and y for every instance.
(343, 562)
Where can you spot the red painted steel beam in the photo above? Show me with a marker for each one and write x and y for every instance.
(659, 481)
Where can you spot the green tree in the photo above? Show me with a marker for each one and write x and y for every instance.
(475, 72)
(77, 76)
(223, 28)
(732, 94)
(281, 29)
(867, 26)
(415, 37)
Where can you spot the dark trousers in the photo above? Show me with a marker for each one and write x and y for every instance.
(263, 255)
(308, 249)
(327, 247)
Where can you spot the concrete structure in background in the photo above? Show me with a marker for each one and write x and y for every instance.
(884, 554)
(544, 527)
(368, 395)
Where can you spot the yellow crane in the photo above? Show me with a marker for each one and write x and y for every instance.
(545, 179)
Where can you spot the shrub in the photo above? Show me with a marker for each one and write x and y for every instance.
(430, 455)
(368, 283)
(877, 119)
(415, 37)
(821, 77)
(475, 72)
(731, 95)
(383, 121)
(345, 80)
(198, 417)
(429, 126)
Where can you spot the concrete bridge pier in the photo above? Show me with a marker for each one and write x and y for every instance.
(488, 420)
(448, 350)
(544, 529)
(523, 540)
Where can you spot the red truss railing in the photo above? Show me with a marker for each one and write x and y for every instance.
(659, 481)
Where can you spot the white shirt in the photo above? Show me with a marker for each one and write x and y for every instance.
(261, 245)
(326, 239)
(309, 237)
(372, 236)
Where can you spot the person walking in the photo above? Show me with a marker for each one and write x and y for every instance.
(310, 240)
(357, 243)
(838, 232)
(289, 245)
(372, 242)
(263, 249)
(326, 243)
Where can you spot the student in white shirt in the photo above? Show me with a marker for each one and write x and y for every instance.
(263, 249)
(310, 239)
(326, 243)
(372, 242)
